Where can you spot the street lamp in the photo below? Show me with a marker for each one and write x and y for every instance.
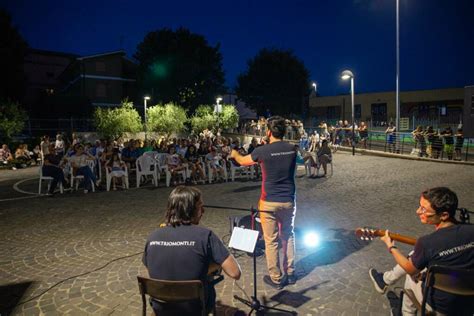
(145, 98)
(347, 74)
(397, 79)
(218, 111)
(315, 85)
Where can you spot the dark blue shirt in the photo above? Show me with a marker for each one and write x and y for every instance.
(278, 163)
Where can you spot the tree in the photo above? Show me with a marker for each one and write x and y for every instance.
(276, 80)
(167, 119)
(113, 123)
(179, 67)
(12, 54)
(12, 118)
(229, 118)
(203, 118)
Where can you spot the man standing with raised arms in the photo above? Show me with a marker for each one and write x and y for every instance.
(277, 203)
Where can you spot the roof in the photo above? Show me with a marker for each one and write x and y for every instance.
(118, 52)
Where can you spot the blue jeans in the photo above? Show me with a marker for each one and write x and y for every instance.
(88, 176)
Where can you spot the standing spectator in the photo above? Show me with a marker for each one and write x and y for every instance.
(44, 146)
(59, 145)
(459, 143)
(437, 146)
(420, 143)
(53, 167)
(364, 134)
(324, 130)
(430, 138)
(448, 142)
(391, 133)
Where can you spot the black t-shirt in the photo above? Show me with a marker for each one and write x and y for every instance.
(182, 253)
(278, 162)
(451, 246)
(53, 159)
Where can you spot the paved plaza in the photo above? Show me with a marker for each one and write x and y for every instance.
(88, 246)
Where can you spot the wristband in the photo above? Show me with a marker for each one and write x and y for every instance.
(392, 247)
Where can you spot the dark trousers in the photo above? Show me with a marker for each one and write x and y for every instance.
(88, 176)
(57, 174)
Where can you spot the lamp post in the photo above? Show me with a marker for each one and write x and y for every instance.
(218, 111)
(347, 74)
(397, 101)
(315, 85)
(145, 98)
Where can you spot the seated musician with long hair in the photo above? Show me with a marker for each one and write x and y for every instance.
(451, 244)
(183, 250)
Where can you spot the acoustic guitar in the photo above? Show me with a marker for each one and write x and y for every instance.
(371, 233)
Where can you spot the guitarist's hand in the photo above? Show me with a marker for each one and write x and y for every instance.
(387, 240)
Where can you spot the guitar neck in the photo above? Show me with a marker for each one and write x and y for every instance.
(397, 237)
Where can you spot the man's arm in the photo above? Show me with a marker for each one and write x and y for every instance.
(242, 160)
(399, 257)
(231, 267)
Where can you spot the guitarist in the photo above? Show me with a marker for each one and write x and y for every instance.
(450, 245)
(182, 250)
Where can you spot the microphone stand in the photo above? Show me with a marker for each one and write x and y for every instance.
(254, 304)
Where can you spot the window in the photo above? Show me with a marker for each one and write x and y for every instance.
(443, 111)
(101, 90)
(357, 111)
(99, 66)
(472, 104)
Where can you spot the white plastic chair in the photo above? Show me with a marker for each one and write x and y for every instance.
(91, 164)
(45, 178)
(145, 165)
(241, 170)
(108, 178)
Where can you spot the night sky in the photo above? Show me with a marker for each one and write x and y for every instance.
(437, 36)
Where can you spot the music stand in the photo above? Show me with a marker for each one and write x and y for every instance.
(245, 240)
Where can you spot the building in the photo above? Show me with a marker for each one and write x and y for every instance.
(438, 107)
(104, 79)
(42, 69)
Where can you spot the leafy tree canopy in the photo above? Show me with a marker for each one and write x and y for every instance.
(205, 118)
(179, 67)
(276, 80)
(167, 119)
(12, 118)
(113, 123)
(229, 118)
(12, 53)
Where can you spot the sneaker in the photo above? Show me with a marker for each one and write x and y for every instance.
(86, 191)
(291, 278)
(277, 286)
(377, 279)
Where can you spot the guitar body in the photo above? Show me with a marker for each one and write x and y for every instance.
(371, 233)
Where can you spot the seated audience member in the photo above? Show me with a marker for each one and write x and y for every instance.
(116, 167)
(22, 156)
(253, 144)
(130, 153)
(5, 154)
(216, 165)
(203, 149)
(174, 163)
(302, 157)
(324, 156)
(80, 167)
(180, 237)
(36, 154)
(192, 158)
(53, 167)
(451, 245)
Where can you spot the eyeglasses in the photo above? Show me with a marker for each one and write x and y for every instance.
(425, 212)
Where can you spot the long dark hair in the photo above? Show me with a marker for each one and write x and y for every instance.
(182, 206)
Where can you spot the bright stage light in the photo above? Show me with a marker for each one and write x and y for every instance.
(311, 239)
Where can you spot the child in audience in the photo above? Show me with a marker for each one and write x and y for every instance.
(215, 166)
(117, 169)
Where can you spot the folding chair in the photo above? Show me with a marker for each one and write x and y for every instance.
(451, 280)
(108, 178)
(172, 292)
(246, 171)
(91, 164)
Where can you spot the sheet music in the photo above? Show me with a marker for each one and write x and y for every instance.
(243, 239)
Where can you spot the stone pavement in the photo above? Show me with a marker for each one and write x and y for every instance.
(79, 243)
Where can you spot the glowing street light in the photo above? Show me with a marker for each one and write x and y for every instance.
(218, 110)
(315, 85)
(145, 98)
(346, 75)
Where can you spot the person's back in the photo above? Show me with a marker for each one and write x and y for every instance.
(278, 162)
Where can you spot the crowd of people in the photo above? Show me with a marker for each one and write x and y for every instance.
(431, 143)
